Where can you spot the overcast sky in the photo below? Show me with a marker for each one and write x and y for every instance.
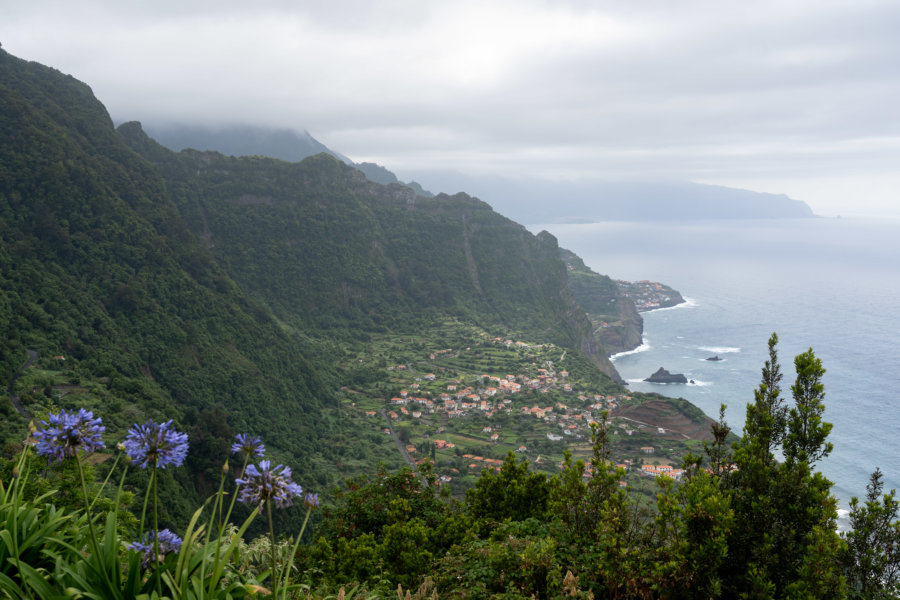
(785, 96)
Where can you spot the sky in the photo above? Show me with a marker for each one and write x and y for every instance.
(799, 97)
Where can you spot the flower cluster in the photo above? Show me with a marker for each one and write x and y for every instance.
(156, 444)
(311, 500)
(249, 446)
(262, 484)
(166, 541)
(63, 435)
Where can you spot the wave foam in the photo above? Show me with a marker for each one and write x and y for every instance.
(693, 382)
(642, 348)
(688, 303)
(718, 349)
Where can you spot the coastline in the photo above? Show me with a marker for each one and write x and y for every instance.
(686, 302)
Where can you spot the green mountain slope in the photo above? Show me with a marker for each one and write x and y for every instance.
(97, 265)
(326, 248)
(223, 292)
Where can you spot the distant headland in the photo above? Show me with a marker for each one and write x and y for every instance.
(649, 295)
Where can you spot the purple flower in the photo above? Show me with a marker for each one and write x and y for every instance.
(262, 484)
(311, 500)
(67, 433)
(168, 542)
(156, 444)
(249, 446)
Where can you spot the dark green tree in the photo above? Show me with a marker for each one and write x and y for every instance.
(766, 421)
(872, 557)
(784, 540)
(806, 431)
(602, 534)
(513, 493)
(718, 453)
(691, 542)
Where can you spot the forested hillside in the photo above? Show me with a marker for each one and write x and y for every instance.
(218, 290)
(324, 247)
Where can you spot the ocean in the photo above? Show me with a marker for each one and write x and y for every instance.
(832, 285)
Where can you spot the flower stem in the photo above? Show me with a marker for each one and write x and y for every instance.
(100, 561)
(287, 569)
(144, 509)
(272, 536)
(156, 532)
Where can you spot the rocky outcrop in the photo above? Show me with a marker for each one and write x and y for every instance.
(663, 376)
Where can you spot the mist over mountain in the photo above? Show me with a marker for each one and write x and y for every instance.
(525, 200)
(248, 140)
(240, 140)
(541, 201)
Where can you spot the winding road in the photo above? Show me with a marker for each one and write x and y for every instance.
(402, 448)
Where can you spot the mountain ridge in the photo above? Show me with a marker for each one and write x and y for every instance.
(525, 200)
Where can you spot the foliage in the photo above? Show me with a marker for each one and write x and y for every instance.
(512, 493)
(872, 557)
(785, 516)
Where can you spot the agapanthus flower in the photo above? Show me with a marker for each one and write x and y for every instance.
(264, 483)
(248, 445)
(156, 444)
(63, 435)
(167, 542)
(311, 500)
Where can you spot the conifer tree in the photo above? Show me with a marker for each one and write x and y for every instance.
(872, 557)
(784, 541)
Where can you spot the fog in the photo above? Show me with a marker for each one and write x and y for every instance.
(797, 98)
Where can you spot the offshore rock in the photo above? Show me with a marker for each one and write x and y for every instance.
(663, 376)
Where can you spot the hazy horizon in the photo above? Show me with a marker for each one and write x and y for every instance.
(797, 99)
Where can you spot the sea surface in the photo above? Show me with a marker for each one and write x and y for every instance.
(832, 285)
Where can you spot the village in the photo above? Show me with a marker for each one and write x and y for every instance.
(467, 422)
(649, 295)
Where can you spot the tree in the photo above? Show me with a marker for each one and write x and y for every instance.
(806, 431)
(692, 526)
(872, 557)
(720, 459)
(784, 536)
(512, 493)
(767, 416)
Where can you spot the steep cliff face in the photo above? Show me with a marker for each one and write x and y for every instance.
(325, 248)
(617, 326)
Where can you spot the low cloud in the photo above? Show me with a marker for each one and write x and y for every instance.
(767, 92)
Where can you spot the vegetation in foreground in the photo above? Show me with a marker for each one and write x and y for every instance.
(738, 524)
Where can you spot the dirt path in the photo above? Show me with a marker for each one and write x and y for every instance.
(402, 448)
(16, 402)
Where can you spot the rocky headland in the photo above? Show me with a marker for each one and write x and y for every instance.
(649, 295)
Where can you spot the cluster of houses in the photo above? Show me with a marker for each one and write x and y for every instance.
(460, 401)
(647, 295)
(493, 394)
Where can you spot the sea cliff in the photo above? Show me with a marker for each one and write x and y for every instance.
(614, 306)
